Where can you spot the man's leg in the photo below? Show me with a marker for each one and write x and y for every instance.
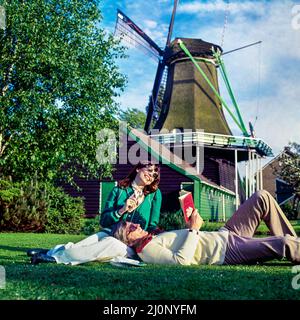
(242, 250)
(260, 206)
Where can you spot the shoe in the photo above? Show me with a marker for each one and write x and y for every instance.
(34, 251)
(41, 257)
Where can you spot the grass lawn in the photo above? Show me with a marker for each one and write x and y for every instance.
(106, 282)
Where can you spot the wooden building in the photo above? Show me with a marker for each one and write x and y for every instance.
(278, 188)
(213, 201)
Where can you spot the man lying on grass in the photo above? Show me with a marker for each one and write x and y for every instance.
(232, 244)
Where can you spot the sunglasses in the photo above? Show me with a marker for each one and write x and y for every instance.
(130, 229)
(152, 172)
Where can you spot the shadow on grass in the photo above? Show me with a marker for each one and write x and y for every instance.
(9, 248)
(106, 282)
(271, 280)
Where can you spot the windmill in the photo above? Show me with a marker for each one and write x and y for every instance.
(184, 98)
(171, 105)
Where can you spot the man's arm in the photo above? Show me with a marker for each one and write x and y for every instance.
(156, 253)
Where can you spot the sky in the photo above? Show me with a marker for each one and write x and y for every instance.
(265, 78)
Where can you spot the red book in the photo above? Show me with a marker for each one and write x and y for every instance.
(186, 200)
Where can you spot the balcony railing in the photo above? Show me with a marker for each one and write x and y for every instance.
(213, 139)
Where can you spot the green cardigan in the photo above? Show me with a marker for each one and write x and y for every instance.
(146, 214)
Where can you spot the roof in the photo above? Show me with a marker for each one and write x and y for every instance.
(165, 156)
(197, 47)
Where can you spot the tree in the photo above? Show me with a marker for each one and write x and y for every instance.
(134, 118)
(289, 170)
(58, 80)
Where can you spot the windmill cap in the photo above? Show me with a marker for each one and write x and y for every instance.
(197, 47)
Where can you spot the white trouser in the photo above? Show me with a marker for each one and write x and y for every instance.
(99, 246)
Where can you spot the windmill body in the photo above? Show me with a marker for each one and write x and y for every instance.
(182, 100)
(189, 102)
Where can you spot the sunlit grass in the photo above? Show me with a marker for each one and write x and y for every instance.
(105, 281)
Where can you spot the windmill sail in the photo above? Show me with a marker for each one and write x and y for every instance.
(160, 96)
(154, 109)
(128, 31)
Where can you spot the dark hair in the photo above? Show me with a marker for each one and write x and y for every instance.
(126, 182)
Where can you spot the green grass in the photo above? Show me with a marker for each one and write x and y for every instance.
(261, 231)
(103, 281)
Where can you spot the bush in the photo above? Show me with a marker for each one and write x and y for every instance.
(287, 208)
(38, 207)
(65, 213)
(90, 225)
(172, 220)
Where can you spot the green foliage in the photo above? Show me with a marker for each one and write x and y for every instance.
(90, 225)
(24, 208)
(65, 213)
(134, 118)
(38, 207)
(171, 220)
(58, 80)
(7, 192)
(289, 169)
(287, 208)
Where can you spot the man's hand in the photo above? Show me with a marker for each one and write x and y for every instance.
(195, 221)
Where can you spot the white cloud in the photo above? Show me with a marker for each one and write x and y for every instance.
(136, 95)
(158, 35)
(277, 63)
(273, 66)
(219, 5)
(151, 24)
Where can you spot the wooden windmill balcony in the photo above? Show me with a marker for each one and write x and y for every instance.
(215, 140)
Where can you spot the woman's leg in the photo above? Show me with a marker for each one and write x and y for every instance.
(242, 250)
(260, 206)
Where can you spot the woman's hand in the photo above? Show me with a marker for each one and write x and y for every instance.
(130, 205)
(195, 221)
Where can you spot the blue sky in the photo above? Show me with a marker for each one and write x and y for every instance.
(265, 78)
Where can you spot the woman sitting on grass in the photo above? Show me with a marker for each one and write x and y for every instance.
(136, 199)
(232, 244)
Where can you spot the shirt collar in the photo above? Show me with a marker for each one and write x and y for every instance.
(137, 188)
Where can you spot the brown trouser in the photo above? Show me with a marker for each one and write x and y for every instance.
(243, 248)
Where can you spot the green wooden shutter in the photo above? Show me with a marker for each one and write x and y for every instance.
(105, 189)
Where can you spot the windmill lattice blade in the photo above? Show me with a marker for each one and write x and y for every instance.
(135, 37)
(160, 96)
